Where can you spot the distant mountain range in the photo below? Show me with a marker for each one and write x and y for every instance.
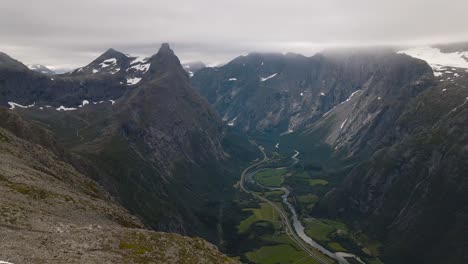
(128, 132)
(41, 68)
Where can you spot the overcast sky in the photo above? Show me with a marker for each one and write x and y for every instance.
(62, 33)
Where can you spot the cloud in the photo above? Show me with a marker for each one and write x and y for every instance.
(72, 33)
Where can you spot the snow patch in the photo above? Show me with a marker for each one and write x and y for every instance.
(437, 59)
(264, 79)
(133, 81)
(139, 66)
(85, 102)
(63, 108)
(232, 79)
(112, 102)
(289, 131)
(322, 94)
(108, 62)
(13, 105)
(277, 145)
(351, 96)
(233, 121)
(342, 124)
(302, 94)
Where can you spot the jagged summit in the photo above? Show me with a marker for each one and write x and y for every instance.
(165, 61)
(165, 47)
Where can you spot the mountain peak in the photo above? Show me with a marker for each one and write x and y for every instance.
(165, 48)
(165, 61)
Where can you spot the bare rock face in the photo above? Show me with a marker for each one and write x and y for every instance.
(51, 213)
(275, 94)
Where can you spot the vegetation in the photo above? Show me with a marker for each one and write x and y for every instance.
(271, 178)
(307, 199)
(314, 182)
(321, 229)
(279, 254)
(264, 213)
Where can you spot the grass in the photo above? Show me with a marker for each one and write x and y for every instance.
(307, 199)
(314, 182)
(320, 229)
(302, 175)
(264, 213)
(336, 247)
(278, 254)
(271, 178)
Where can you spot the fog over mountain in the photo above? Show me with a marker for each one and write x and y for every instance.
(67, 35)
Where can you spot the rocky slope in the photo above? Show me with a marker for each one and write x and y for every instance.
(158, 148)
(51, 213)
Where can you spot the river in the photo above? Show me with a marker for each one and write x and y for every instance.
(299, 228)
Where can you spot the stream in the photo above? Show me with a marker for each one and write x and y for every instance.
(299, 228)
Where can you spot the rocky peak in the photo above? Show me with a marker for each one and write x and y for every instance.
(165, 62)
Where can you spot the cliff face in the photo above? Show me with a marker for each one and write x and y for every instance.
(409, 184)
(275, 94)
(394, 129)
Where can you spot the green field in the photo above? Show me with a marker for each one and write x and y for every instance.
(314, 182)
(279, 254)
(320, 229)
(264, 213)
(307, 199)
(270, 178)
(336, 247)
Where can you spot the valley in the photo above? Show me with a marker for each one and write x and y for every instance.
(340, 157)
(275, 205)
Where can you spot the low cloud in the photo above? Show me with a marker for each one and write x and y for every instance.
(69, 34)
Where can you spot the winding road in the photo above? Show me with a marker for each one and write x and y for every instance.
(251, 170)
(294, 231)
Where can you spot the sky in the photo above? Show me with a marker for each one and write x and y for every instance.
(70, 34)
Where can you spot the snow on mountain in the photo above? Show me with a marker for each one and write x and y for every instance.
(439, 61)
(13, 105)
(40, 68)
(139, 64)
(133, 81)
(108, 62)
(264, 79)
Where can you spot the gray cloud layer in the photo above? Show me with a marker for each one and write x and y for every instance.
(63, 33)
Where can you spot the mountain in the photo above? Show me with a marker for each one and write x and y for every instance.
(50, 212)
(41, 68)
(389, 126)
(411, 185)
(277, 94)
(155, 145)
(192, 67)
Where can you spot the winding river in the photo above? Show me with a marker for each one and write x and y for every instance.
(299, 228)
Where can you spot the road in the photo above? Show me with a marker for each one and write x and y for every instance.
(251, 170)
